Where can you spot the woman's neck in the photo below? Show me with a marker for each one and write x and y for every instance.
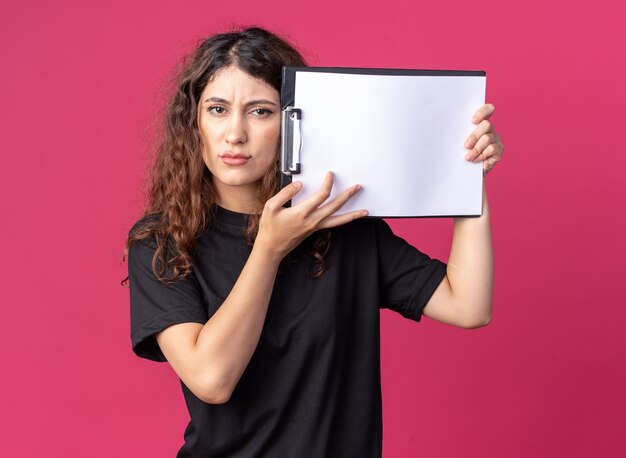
(240, 199)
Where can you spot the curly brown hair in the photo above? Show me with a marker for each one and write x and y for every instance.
(181, 198)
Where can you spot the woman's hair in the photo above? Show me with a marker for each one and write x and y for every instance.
(181, 196)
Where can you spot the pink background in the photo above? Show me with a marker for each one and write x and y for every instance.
(80, 84)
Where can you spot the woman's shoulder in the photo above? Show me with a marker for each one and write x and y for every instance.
(143, 231)
(144, 223)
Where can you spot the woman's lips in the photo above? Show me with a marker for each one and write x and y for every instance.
(234, 158)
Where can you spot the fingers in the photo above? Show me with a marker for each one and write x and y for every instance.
(282, 229)
(314, 202)
(485, 127)
(317, 200)
(484, 143)
(489, 164)
(335, 205)
(491, 154)
(321, 195)
(488, 150)
(338, 220)
(283, 196)
(321, 212)
(483, 113)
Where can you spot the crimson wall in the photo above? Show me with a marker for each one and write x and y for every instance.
(80, 86)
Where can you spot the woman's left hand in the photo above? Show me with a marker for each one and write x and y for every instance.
(484, 143)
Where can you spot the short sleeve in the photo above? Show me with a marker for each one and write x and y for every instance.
(155, 306)
(408, 277)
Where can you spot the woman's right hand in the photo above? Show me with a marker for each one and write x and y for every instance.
(282, 229)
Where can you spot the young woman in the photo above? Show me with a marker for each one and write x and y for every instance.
(270, 315)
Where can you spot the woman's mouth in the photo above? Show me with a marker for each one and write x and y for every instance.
(234, 158)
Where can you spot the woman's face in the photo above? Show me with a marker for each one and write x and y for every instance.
(240, 126)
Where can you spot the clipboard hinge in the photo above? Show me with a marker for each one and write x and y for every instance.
(291, 144)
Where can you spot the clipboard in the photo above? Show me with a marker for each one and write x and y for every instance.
(398, 133)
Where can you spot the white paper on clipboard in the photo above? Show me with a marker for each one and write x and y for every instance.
(399, 134)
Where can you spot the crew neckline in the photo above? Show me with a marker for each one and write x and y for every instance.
(230, 217)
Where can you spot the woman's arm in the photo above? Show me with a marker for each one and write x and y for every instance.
(464, 296)
(211, 358)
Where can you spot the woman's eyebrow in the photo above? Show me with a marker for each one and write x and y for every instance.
(216, 100)
(249, 103)
(261, 102)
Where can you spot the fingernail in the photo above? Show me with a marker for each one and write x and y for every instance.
(468, 143)
(468, 156)
(358, 187)
(365, 213)
(297, 184)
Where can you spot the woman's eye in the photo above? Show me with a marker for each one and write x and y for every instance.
(216, 109)
(261, 112)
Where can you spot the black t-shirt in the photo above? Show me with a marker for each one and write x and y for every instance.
(312, 387)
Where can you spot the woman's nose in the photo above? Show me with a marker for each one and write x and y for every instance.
(236, 132)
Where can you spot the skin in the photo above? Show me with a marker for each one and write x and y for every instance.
(240, 116)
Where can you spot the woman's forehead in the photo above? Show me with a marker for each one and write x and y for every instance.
(231, 82)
